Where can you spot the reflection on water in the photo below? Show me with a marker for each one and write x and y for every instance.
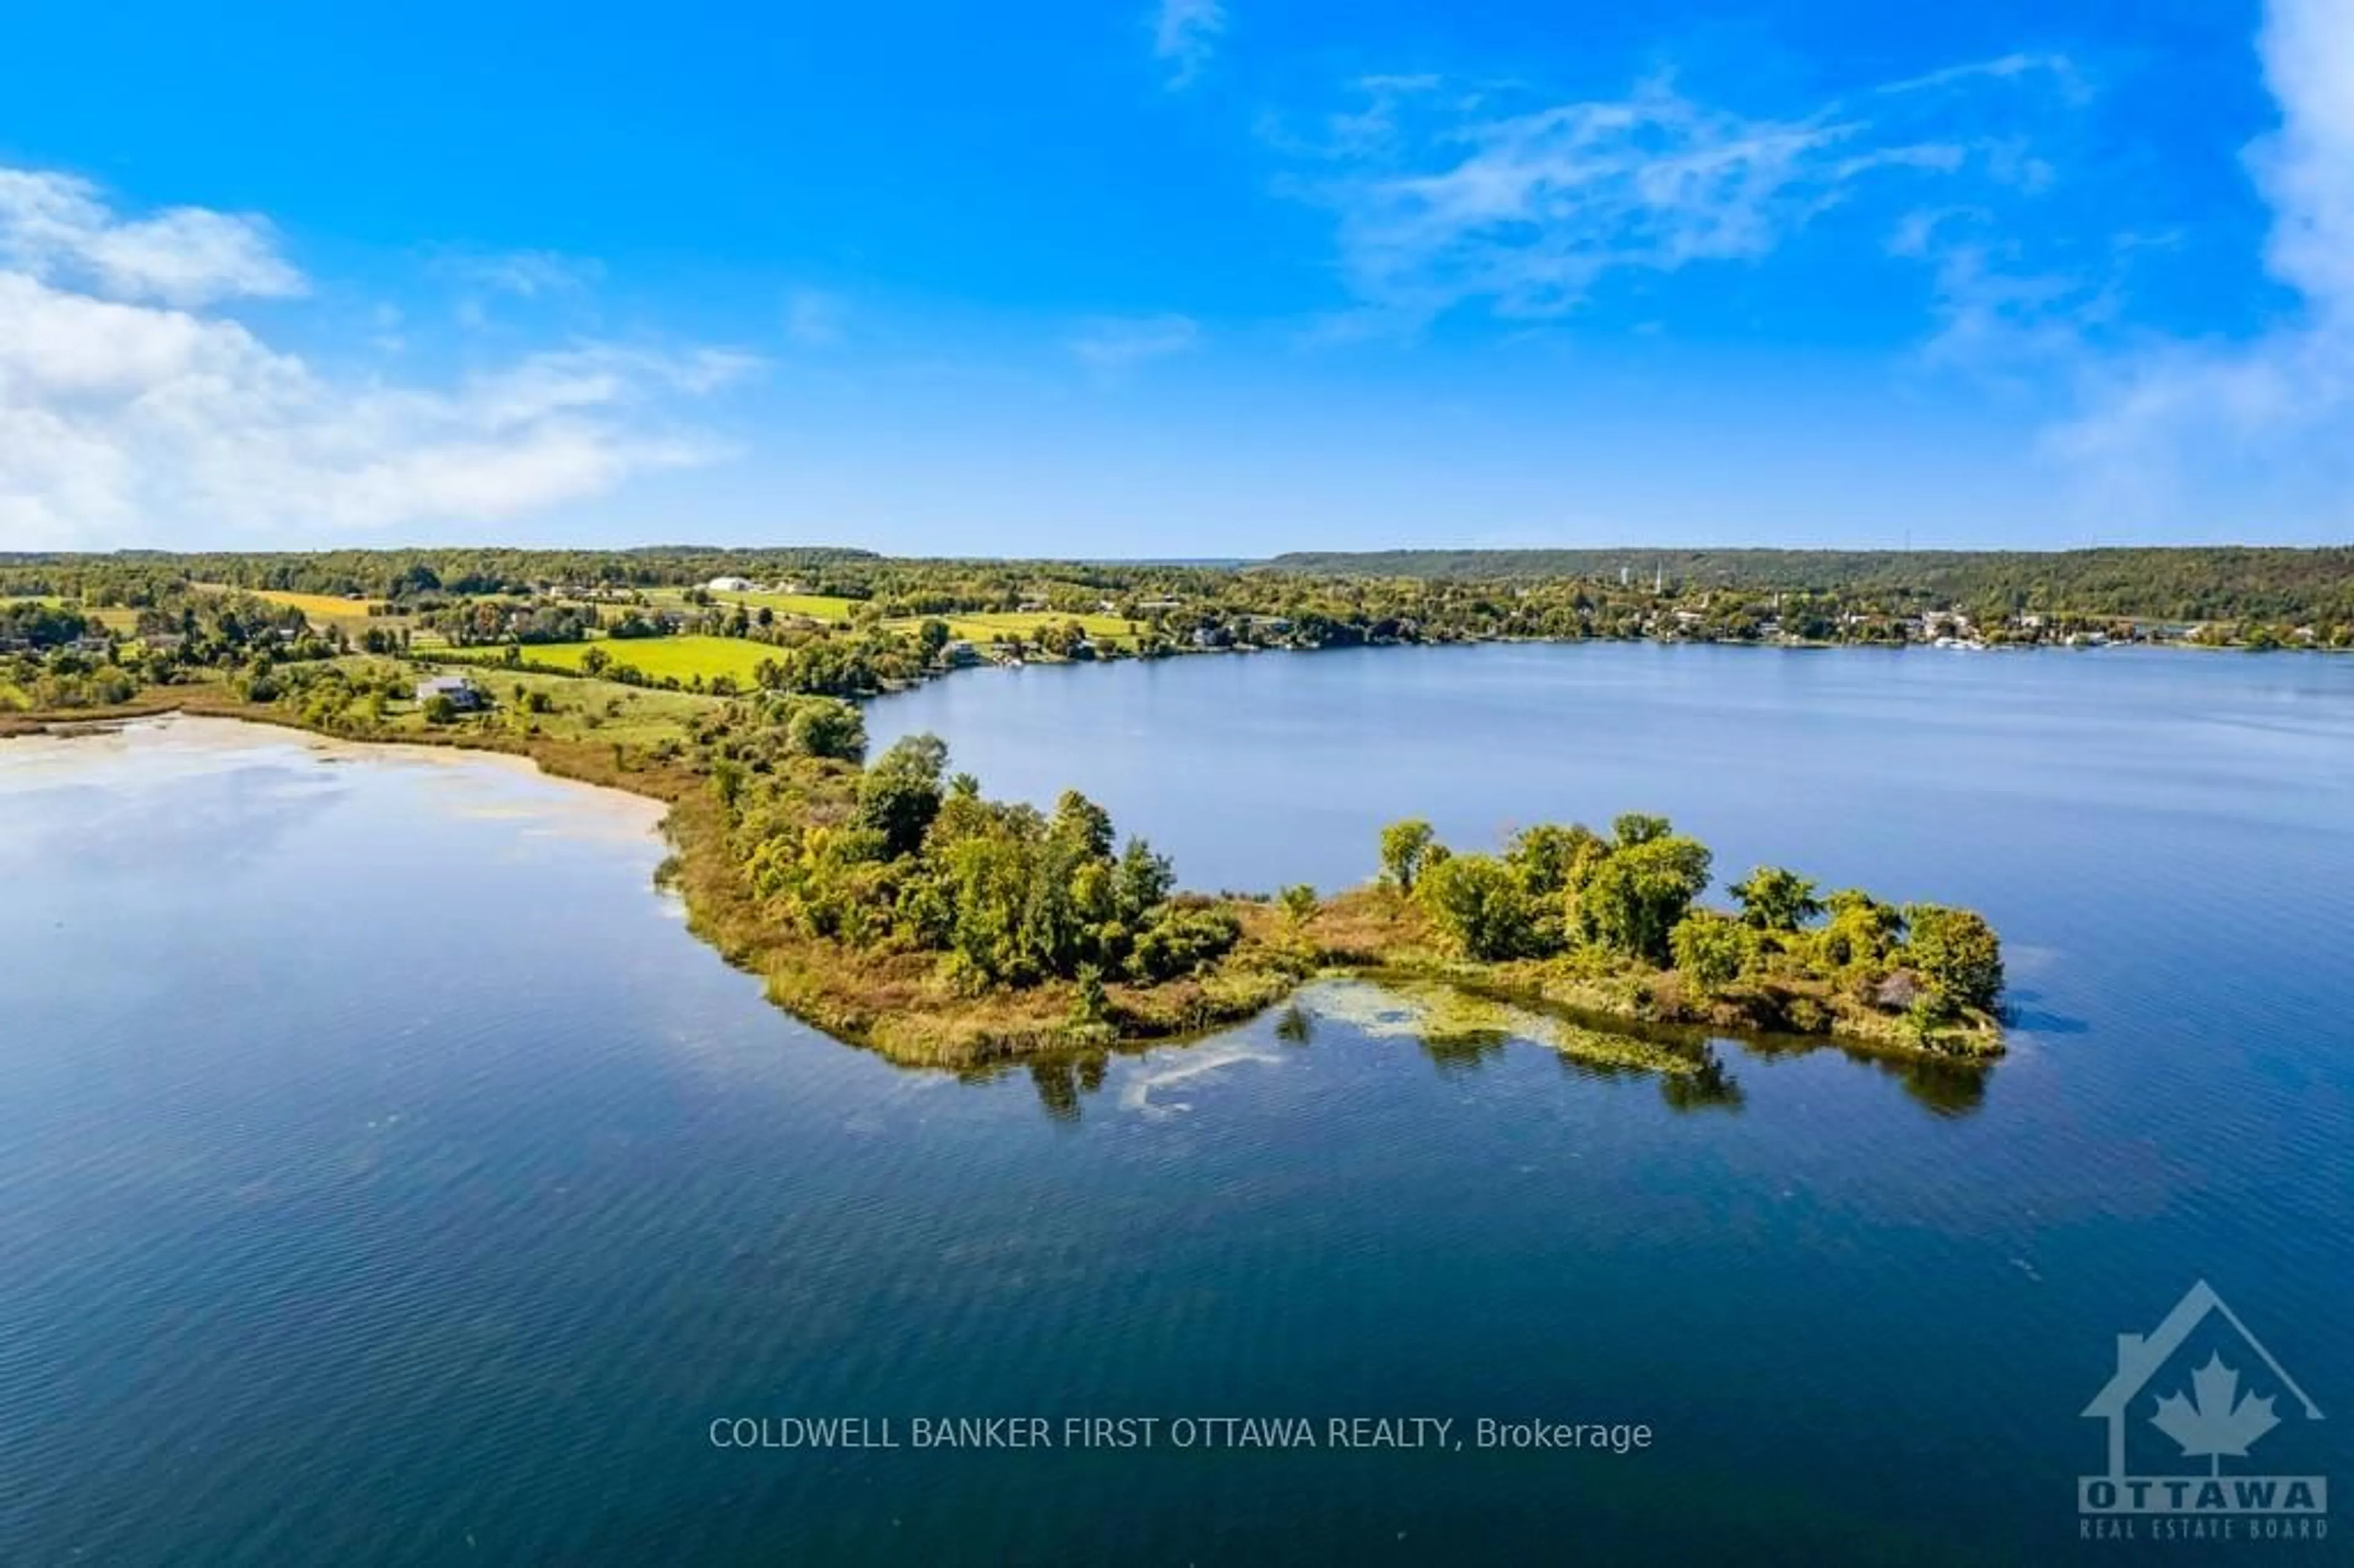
(1460, 1032)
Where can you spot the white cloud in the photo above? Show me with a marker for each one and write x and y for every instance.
(1185, 36)
(2307, 167)
(2006, 67)
(1109, 346)
(54, 225)
(1444, 200)
(2262, 426)
(128, 422)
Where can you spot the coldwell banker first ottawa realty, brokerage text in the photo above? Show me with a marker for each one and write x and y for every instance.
(1443, 1434)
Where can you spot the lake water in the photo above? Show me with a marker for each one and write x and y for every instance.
(386, 1175)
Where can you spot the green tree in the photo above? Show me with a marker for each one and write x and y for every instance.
(1773, 899)
(1710, 950)
(1299, 903)
(1955, 953)
(1082, 824)
(1478, 902)
(901, 793)
(1142, 881)
(1635, 895)
(825, 727)
(1863, 931)
(1548, 855)
(1631, 828)
(1406, 850)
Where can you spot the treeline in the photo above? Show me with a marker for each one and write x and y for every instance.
(2184, 583)
(897, 625)
(132, 577)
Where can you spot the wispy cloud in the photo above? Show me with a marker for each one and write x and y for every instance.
(527, 274)
(1996, 315)
(130, 413)
(1185, 36)
(2058, 67)
(2173, 427)
(55, 226)
(1110, 345)
(1444, 198)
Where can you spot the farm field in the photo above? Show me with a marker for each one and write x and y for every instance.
(114, 618)
(656, 657)
(317, 608)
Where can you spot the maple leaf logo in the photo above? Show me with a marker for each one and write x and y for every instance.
(2217, 1419)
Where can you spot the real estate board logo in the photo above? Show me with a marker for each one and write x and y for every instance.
(2195, 1392)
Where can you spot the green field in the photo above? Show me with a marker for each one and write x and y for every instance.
(578, 708)
(816, 605)
(654, 657)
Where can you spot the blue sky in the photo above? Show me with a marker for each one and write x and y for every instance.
(1199, 278)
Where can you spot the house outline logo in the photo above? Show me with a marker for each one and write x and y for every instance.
(2217, 1419)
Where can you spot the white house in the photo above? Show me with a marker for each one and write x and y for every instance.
(729, 585)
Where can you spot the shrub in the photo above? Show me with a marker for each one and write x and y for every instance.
(1179, 940)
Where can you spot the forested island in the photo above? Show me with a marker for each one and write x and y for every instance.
(890, 902)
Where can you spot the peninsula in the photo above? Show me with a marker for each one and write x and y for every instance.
(889, 903)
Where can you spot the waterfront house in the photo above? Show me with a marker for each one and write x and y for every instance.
(463, 694)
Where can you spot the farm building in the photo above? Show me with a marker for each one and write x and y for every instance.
(729, 585)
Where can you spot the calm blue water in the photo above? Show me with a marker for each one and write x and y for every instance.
(386, 1175)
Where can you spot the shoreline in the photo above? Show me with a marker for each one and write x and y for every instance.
(891, 1005)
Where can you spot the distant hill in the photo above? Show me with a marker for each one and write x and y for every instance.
(2187, 583)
